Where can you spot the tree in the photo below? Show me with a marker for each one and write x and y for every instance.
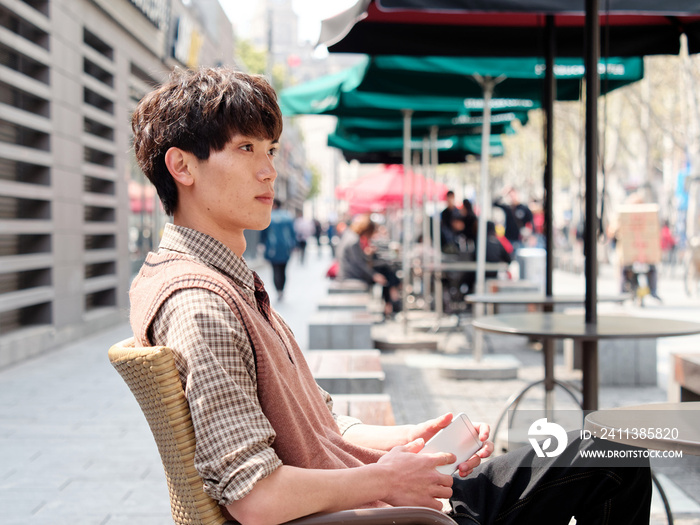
(256, 61)
(253, 59)
(315, 185)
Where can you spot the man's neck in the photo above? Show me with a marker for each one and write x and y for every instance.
(234, 241)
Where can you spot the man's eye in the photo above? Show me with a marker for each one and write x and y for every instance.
(274, 152)
(247, 147)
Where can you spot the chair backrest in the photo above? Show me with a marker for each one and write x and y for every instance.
(153, 379)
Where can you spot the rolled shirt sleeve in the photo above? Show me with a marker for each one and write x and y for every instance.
(217, 368)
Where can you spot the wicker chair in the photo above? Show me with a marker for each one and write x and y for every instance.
(153, 379)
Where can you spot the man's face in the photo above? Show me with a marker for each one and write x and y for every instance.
(234, 188)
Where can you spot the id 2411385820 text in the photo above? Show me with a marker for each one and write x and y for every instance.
(631, 433)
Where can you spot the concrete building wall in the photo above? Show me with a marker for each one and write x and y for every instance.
(71, 72)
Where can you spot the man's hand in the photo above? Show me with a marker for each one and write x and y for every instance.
(485, 451)
(429, 428)
(388, 437)
(414, 479)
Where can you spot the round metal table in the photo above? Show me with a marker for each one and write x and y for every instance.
(553, 325)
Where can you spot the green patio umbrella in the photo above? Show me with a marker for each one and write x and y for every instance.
(345, 94)
(461, 124)
(455, 76)
(382, 85)
(465, 144)
(380, 140)
(352, 133)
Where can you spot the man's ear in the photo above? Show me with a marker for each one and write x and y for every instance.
(178, 164)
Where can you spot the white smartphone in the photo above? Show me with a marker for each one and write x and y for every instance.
(459, 438)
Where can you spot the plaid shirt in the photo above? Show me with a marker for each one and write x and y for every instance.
(217, 370)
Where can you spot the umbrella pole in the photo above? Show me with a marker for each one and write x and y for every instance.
(405, 262)
(487, 85)
(550, 88)
(425, 222)
(437, 239)
(548, 105)
(590, 348)
(415, 211)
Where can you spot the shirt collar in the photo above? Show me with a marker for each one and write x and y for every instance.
(209, 251)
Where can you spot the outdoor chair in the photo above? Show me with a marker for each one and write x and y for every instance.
(153, 379)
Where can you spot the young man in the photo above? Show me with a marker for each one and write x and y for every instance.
(269, 448)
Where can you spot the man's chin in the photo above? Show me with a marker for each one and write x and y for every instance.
(260, 225)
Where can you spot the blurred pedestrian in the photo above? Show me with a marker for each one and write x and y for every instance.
(318, 231)
(538, 233)
(451, 225)
(668, 245)
(636, 262)
(303, 229)
(279, 241)
(332, 233)
(518, 217)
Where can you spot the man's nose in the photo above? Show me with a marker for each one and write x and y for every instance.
(267, 171)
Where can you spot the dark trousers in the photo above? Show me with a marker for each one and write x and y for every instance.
(508, 490)
(392, 281)
(279, 275)
(302, 250)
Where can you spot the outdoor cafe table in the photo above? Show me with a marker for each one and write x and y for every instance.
(456, 266)
(545, 303)
(554, 325)
(657, 426)
(464, 266)
(541, 300)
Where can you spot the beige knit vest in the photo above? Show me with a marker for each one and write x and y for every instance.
(307, 434)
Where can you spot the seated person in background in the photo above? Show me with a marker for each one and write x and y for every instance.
(356, 261)
(269, 447)
(470, 221)
(495, 250)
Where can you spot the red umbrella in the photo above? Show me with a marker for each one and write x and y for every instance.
(141, 197)
(384, 188)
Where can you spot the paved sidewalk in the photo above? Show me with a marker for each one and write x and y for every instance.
(75, 448)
